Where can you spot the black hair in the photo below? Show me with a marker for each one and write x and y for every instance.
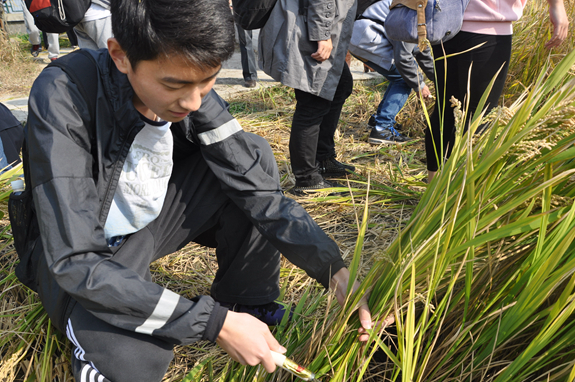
(200, 31)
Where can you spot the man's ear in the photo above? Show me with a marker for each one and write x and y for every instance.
(118, 55)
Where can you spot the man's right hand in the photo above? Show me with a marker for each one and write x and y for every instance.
(248, 341)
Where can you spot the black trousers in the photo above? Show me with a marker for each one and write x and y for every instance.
(313, 127)
(196, 210)
(486, 61)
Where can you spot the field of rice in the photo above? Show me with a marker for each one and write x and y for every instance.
(477, 267)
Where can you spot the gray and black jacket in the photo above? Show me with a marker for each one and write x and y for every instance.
(76, 157)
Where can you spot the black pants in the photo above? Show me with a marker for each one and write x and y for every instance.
(197, 210)
(313, 127)
(486, 60)
(249, 66)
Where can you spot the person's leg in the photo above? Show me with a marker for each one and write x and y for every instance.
(393, 99)
(484, 61)
(33, 31)
(94, 34)
(196, 209)
(326, 144)
(249, 68)
(102, 352)
(72, 37)
(441, 133)
(309, 113)
(84, 40)
(53, 45)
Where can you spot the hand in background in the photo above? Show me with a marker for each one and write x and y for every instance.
(248, 341)
(425, 92)
(324, 48)
(560, 22)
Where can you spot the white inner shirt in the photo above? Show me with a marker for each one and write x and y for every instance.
(143, 183)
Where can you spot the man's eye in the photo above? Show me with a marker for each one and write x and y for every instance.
(171, 87)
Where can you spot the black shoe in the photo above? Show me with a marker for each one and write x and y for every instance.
(307, 190)
(271, 314)
(332, 168)
(250, 84)
(387, 136)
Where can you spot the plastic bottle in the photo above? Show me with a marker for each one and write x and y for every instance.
(17, 186)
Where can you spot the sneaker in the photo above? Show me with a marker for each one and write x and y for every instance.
(270, 314)
(306, 190)
(389, 135)
(371, 124)
(333, 168)
(35, 50)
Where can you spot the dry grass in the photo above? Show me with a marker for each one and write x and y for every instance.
(18, 69)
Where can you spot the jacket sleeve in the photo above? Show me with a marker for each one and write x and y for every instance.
(75, 249)
(320, 18)
(425, 62)
(406, 65)
(246, 168)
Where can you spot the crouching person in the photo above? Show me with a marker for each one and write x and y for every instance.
(129, 156)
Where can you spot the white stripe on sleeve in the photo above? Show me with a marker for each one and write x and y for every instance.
(219, 134)
(161, 314)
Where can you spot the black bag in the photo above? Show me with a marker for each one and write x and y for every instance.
(57, 16)
(21, 210)
(252, 14)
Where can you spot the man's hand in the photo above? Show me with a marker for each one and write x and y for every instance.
(324, 48)
(338, 284)
(560, 22)
(248, 341)
(425, 92)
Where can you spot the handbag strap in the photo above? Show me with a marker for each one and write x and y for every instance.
(418, 6)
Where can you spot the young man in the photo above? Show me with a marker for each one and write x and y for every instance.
(147, 162)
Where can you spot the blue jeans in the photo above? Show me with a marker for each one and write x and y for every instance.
(394, 98)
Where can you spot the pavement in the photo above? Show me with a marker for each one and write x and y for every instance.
(228, 84)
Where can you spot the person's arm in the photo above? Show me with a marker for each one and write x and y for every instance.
(560, 22)
(406, 65)
(68, 211)
(320, 17)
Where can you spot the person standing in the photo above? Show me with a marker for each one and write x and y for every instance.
(34, 37)
(487, 22)
(397, 61)
(305, 49)
(249, 67)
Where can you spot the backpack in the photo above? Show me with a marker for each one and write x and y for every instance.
(415, 21)
(57, 16)
(78, 66)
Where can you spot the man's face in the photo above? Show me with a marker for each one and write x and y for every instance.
(168, 88)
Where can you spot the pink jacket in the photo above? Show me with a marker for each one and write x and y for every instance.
(492, 17)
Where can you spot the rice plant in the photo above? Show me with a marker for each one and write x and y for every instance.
(481, 279)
